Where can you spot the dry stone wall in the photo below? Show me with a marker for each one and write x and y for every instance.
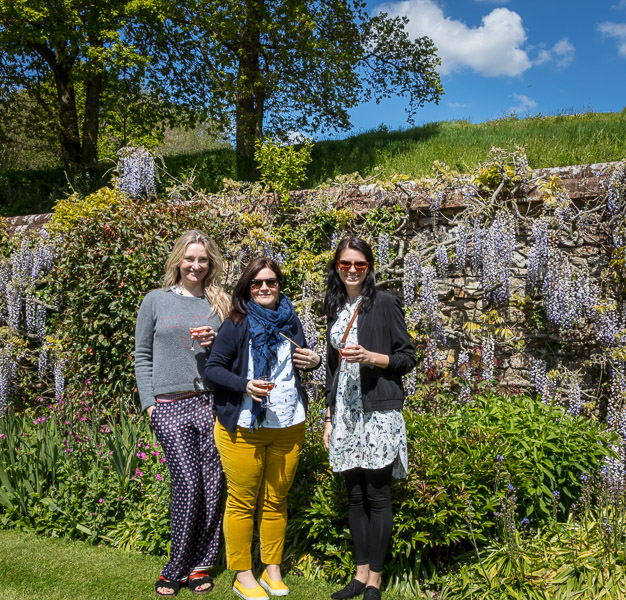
(461, 292)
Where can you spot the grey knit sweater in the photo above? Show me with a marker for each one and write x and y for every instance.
(164, 360)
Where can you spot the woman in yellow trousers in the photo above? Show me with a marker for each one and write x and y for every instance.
(259, 348)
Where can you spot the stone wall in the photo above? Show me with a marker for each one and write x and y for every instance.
(461, 293)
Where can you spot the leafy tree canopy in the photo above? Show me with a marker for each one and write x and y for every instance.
(291, 65)
(122, 69)
(78, 61)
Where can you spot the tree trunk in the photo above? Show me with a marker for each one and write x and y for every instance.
(250, 100)
(68, 121)
(91, 124)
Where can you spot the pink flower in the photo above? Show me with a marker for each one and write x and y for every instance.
(138, 473)
(100, 501)
(159, 478)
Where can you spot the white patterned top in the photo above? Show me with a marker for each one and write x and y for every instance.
(358, 439)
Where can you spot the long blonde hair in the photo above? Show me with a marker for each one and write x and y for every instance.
(218, 298)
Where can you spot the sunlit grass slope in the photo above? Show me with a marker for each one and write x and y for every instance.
(548, 142)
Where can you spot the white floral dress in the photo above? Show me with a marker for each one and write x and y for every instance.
(359, 439)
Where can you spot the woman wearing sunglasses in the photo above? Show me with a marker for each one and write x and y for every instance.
(368, 352)
(260, 348)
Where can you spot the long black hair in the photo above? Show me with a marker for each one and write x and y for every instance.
(336, 295)
(241, 293)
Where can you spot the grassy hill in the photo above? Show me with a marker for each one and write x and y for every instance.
(553, 141)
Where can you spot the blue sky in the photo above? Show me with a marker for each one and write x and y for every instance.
(524, 56)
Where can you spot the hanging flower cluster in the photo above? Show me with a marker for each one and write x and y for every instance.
(136, 172)
(464, 372)
(23, 313)
(497, 249)
(8, 370)
(384, 242)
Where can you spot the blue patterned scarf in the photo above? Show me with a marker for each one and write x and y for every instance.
(265, 325)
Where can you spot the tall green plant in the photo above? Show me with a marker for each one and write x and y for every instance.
(461, 463)
(282, 168)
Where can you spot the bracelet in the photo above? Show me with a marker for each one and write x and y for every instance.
(328, 419)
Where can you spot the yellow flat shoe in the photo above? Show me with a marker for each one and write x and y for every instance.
(274, 588)
(255, 593)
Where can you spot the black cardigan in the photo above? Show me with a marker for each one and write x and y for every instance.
(381, 329)
(227, 369)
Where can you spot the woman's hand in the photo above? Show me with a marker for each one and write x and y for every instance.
(303, 358)
(149, 411)
(205, 334)
(257, 389)
(357, 354)
(328, 427)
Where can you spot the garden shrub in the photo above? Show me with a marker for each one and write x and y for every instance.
(110, 260)
(581, 558)
(70, 470)
(461, 465)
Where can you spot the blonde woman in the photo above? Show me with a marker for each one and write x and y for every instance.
(175, 329)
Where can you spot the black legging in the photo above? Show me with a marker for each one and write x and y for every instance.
(369, 514)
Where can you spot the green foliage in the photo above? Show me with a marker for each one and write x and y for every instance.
(69, 470)
(253, 76)
(282, 168)
(4, 237)
(109, 262)
(75, 209)
(454, 459)
(548, 141)
(558, 562)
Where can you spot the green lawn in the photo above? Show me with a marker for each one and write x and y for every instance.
(33, 567)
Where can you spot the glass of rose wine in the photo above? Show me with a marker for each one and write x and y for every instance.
(268, 385)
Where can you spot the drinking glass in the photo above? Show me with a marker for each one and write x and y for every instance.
(193, 339)
(267, 384)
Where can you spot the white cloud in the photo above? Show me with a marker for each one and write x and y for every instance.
(562, 54)
(620, 5)
(615, 30)
(296, 137)
(457, 105)
(493, 49)
(524, 106)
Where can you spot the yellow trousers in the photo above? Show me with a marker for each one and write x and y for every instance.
(259, 468)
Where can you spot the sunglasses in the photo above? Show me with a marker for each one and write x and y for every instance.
(359, 265)
(257, 284)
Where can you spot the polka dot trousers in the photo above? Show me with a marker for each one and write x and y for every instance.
(184, 428)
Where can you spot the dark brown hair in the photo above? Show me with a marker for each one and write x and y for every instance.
(241, 293)
(336, 295)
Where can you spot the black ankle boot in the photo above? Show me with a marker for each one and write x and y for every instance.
(352, 590)
(372, 593)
